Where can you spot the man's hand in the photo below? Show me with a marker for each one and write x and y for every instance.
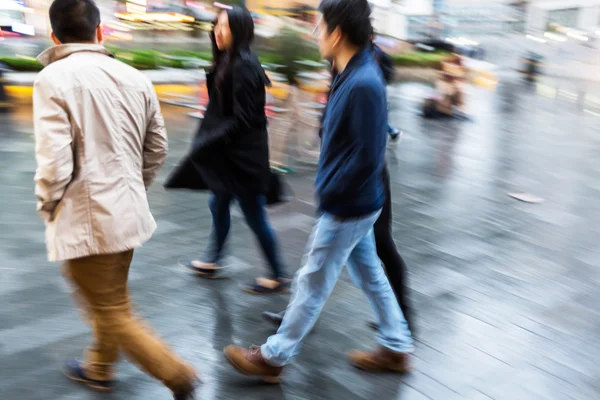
(53, 147)
(155, 143)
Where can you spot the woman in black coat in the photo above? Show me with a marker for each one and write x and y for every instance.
(230, 153)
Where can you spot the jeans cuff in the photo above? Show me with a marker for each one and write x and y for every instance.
(267, 355)
(211, 257)
(398, 348)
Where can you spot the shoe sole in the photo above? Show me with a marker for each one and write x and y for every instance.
(380, 369)
(87, 383)
(267, 379)
(208, 275)
(271, 293)
(211, 275)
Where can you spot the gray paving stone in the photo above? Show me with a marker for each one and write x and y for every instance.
(506, 293)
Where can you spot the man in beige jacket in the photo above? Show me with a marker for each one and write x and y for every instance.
(100, 140)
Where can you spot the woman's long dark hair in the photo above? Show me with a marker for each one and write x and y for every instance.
(241, 25)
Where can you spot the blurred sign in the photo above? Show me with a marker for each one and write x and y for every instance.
(23, 29)
(11, 5)
(136, 6)
(221, 5)
(154, 17)
(127, 26)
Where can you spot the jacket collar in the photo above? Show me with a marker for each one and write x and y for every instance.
(59, 52)
(360, 58)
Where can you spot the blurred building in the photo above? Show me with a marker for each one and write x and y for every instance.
(470, 18)
(439, 19)
(576, 14)
(402, 19)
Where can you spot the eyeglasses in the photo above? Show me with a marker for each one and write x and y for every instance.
(318, 28)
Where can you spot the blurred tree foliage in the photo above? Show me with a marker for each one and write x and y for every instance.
(290, 47)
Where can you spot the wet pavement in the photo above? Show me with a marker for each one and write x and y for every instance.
(506, 292)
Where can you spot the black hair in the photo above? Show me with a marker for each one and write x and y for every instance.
(241, 25)
(74, 21)
(353, 17)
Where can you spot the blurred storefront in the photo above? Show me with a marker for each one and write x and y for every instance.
(142, 20)
(304, 10)
(17, 19)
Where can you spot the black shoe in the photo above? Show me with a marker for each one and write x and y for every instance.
(73, 370)
(274, 318)
(190, 393)
(395, 134)
(184, 396)
(205, 269)
(262, 286)
(374, 326)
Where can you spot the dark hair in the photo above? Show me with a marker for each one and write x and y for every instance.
(74, 21)
(241, 25)
(353, 17)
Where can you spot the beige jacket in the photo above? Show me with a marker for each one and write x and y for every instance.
(100, 140)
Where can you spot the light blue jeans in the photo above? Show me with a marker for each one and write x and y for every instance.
(333, 244)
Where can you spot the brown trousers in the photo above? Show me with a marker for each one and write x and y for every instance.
(101, 287)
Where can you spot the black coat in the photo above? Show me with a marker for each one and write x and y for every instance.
(230, 153)
(385, 63)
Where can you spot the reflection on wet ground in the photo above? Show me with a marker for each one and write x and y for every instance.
(506, 292)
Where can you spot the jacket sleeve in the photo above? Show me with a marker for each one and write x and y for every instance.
(155, 142)
(53, 147)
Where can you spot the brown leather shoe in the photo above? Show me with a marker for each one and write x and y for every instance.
(251, 362)
(380, 360)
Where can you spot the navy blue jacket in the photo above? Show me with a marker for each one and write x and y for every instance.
(349, 180)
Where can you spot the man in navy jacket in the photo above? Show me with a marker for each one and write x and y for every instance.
(350, 193)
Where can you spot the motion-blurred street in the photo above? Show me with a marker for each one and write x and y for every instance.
(505, 292)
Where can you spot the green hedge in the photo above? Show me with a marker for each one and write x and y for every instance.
(151, 59)
(22, 64)
(421, 59)
(140, 59)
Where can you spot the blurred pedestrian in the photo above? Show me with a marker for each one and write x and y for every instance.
(389, 73)
(4, 101)
(350, 193)
(451, 97)
(230, 154)
(100, 140)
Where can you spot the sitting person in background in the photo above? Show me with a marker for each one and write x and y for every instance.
(449, 99)
(450, 95)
